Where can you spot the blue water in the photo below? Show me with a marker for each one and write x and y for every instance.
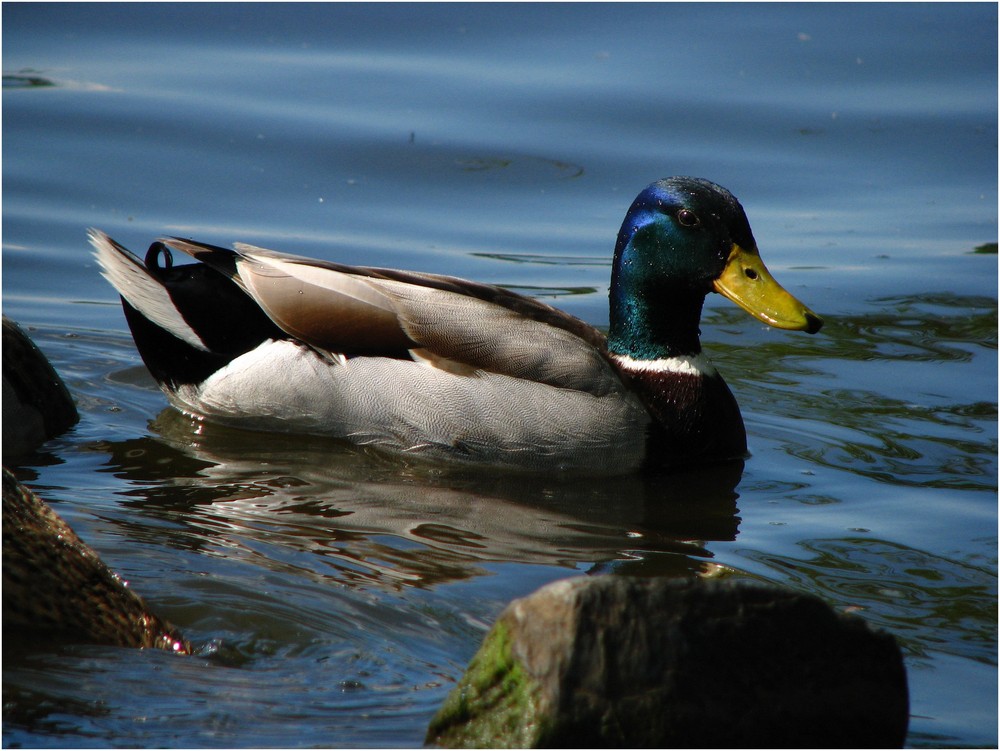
(337, 595)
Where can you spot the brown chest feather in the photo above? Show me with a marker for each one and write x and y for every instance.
(695, 418)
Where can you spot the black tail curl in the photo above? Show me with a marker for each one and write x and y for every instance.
(156, 250)
(224, 317)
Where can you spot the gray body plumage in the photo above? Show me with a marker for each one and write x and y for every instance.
(420, 409)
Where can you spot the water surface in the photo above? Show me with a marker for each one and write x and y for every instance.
(337, 594)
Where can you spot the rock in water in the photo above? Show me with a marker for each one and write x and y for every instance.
(36, 403)
(56, 587)
(625, 662)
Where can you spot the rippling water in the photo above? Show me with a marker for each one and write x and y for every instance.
(336, 594)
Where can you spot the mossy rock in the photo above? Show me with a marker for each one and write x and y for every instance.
(625, 662)
(496, 699)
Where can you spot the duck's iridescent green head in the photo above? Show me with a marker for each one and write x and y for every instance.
(682, 238)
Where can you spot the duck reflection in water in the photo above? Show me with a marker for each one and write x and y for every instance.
(353, 505)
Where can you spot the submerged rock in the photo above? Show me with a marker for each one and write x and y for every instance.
(36, 403)
(615, 661)
(55, 587)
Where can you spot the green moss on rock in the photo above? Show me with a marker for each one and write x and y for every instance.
(495, 705)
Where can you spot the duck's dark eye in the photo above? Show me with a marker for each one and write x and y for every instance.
(687, 218)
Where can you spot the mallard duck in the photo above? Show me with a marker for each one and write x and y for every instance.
(454, 370)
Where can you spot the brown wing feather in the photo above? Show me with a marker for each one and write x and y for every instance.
(458, 324)
(489, 336)
(342, 314)
(345, 313)
(525, 306)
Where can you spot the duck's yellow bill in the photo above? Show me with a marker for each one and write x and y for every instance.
(747, 282)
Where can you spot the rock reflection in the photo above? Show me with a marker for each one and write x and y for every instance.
(369, 518)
